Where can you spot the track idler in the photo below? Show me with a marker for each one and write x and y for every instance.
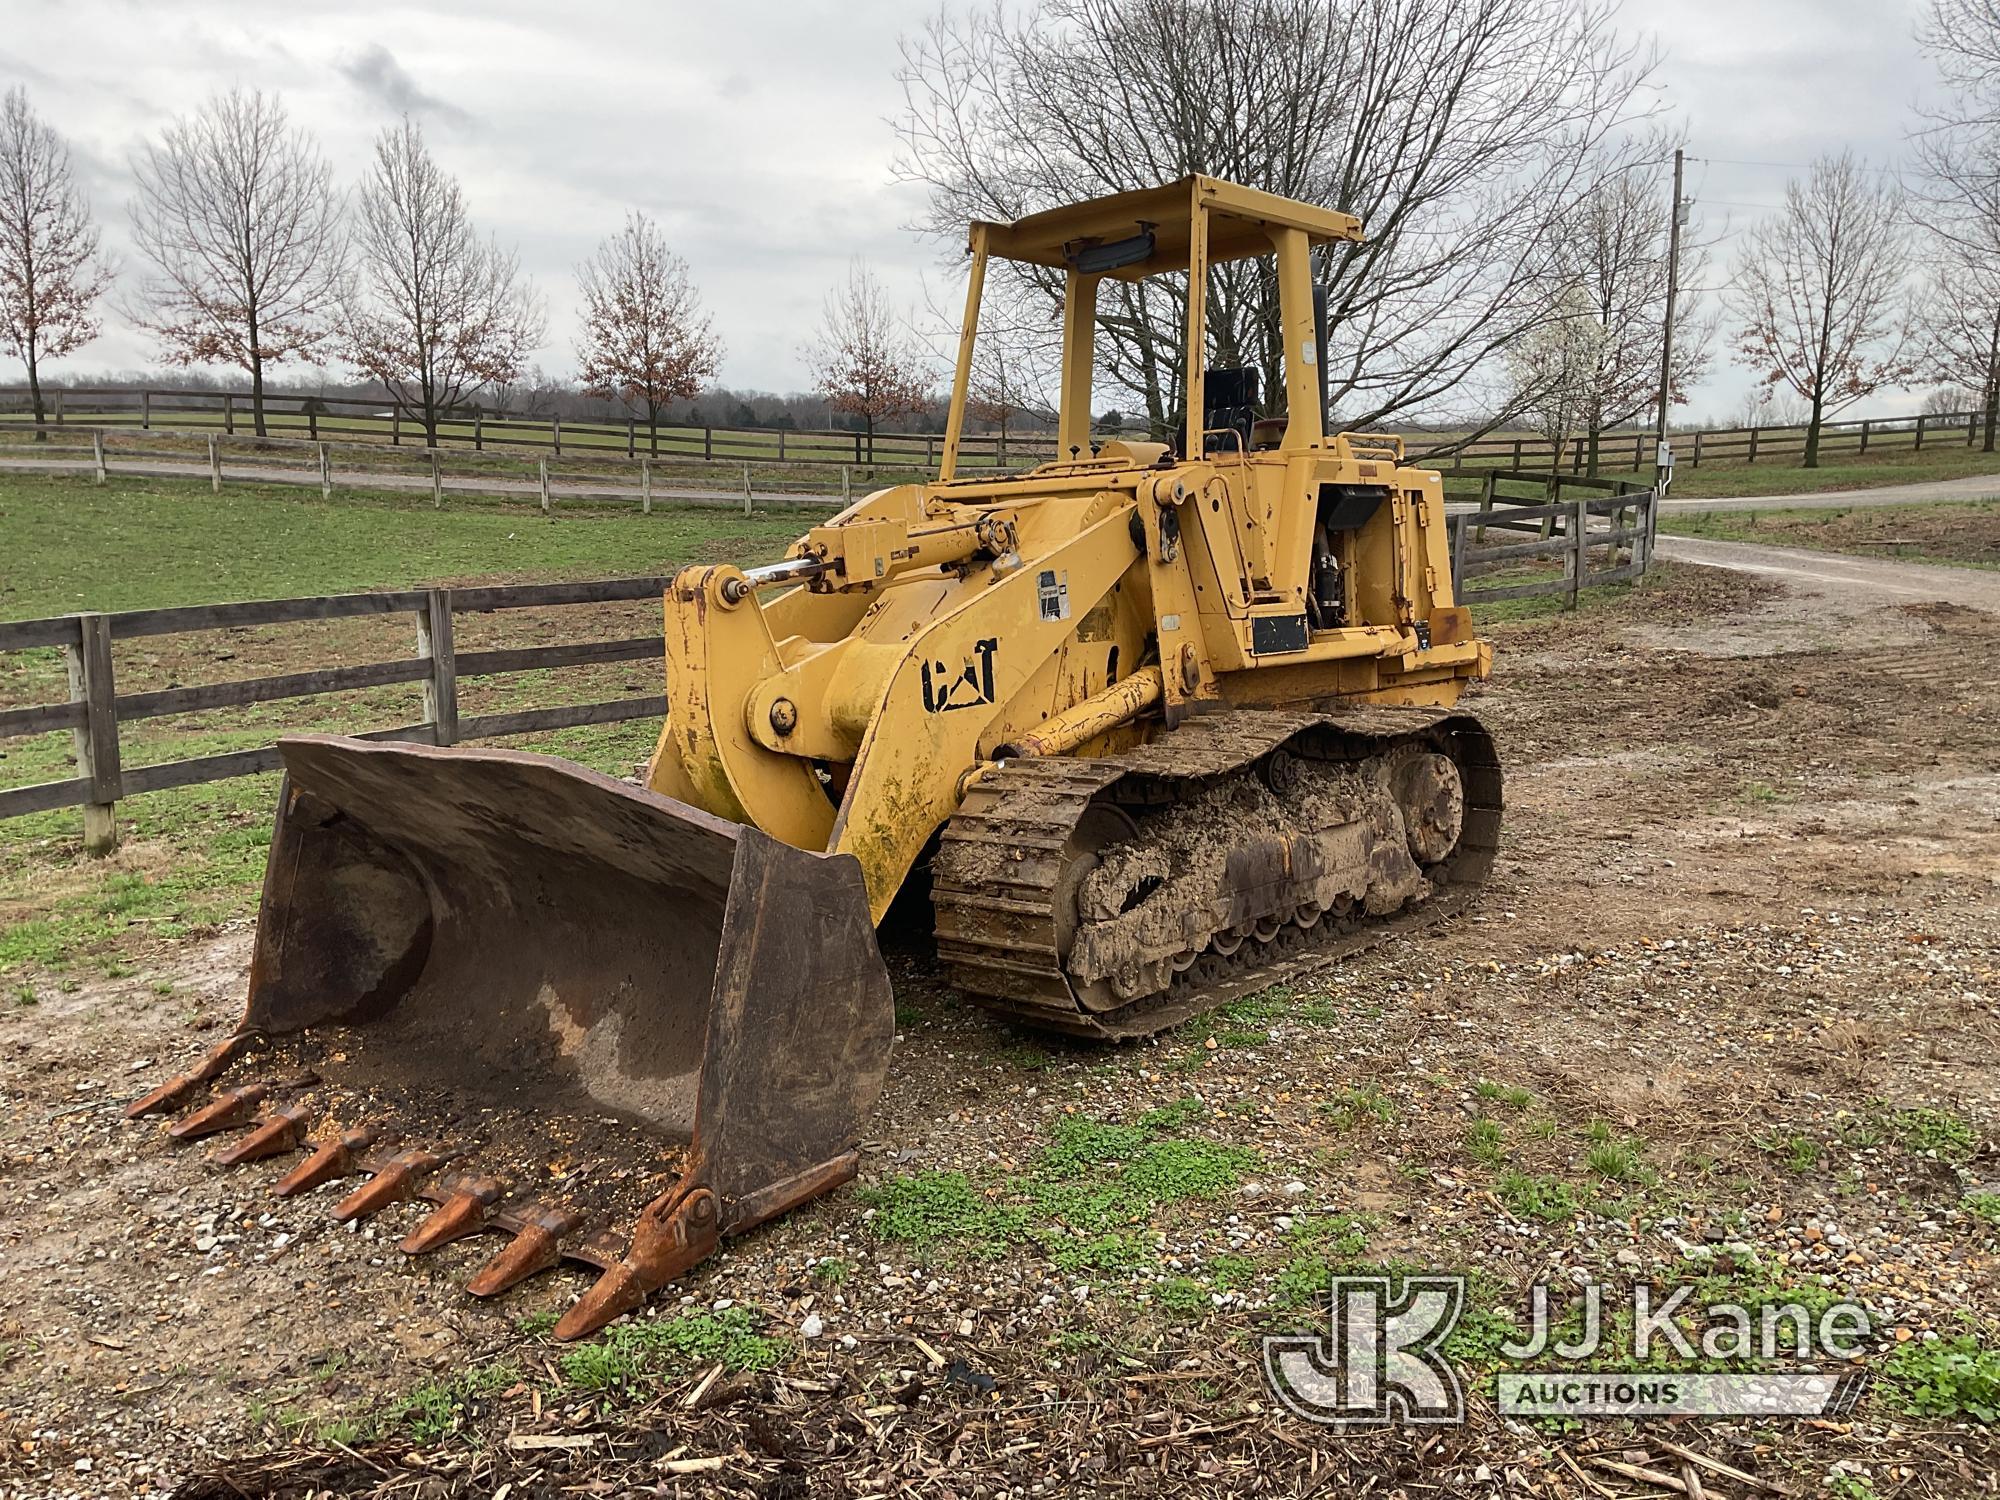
(453, 935)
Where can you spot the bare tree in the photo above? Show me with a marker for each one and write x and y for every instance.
(1557, 370)
(1016, 361)
(864, 360)
(1818, 291)
(435, 312)
(239, 216)
(50, 272)
(1615, 256)
(646, 340)
(1959, 312)
(1957, 200)
(1462, 132)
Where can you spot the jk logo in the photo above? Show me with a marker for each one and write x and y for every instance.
(967, 687)
(1382, 1360)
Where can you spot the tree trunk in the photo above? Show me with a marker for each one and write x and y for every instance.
(257, 391)
(1812, 434)
(1992, 413)
(35, 394)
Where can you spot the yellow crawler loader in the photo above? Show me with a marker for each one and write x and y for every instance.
(1162, 722)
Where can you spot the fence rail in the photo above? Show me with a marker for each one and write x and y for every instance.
(96, 710)
(380, 421)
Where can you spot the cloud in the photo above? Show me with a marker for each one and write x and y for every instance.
(376, 73)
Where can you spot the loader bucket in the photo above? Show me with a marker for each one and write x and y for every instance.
(540, 998)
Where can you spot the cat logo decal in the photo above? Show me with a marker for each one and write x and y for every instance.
(968, 687)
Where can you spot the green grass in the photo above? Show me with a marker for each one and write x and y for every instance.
(1936, 1132)
(1797, 1150)
(1485, 1141)
(1518, 1098)
(1945, 1377)
(164, 542)
(1960, 533)
(1351, 1106)
(639, 1351)
(194, 856)
(1527, 1196)
(1094, 1185)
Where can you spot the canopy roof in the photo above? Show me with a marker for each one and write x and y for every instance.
(1239, 221)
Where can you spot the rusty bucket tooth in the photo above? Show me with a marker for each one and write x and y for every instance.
(223, 1112)
(394, 1183)
(536, 1246)
(330, 1159)
(461, 1214)
(676, 1232)
(272, 1136)
(175, 1091)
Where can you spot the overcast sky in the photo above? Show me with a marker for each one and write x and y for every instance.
(760, 135)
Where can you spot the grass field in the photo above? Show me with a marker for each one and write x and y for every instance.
(1964, 533)
(192, 856)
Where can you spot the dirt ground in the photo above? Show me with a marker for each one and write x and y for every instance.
(1731, 1001)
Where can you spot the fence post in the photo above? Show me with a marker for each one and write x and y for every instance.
(746, 489)
(857, 448)
(1971, 428)
(645, 486)
(631, 438)
(1864, 434)
(437, 483)
(707, 442)
(229, 414)
(214, 463)
(543, 465)
(396, 426)
(1578, 519)
(146, 410)
(478, 429)
(846, 485)
(1753, 447)
(325, 475)
(1486, 490)
(1516, 465)
(1918, 447)
(1696, 463)
(96, 739)
(59, 406)
(97, 452)
(441, 687)
(781, 445)
(1457, 540)
(555, 430)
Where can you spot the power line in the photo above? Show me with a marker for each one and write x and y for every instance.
(1786, 166)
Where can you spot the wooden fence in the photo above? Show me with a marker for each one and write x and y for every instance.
(96, 710)
(325, 465)
(1611, 516)
(479, 429)
(379, 420)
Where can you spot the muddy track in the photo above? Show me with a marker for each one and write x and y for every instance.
(999, 872)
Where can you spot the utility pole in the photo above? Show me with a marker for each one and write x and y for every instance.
(1674, 215)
